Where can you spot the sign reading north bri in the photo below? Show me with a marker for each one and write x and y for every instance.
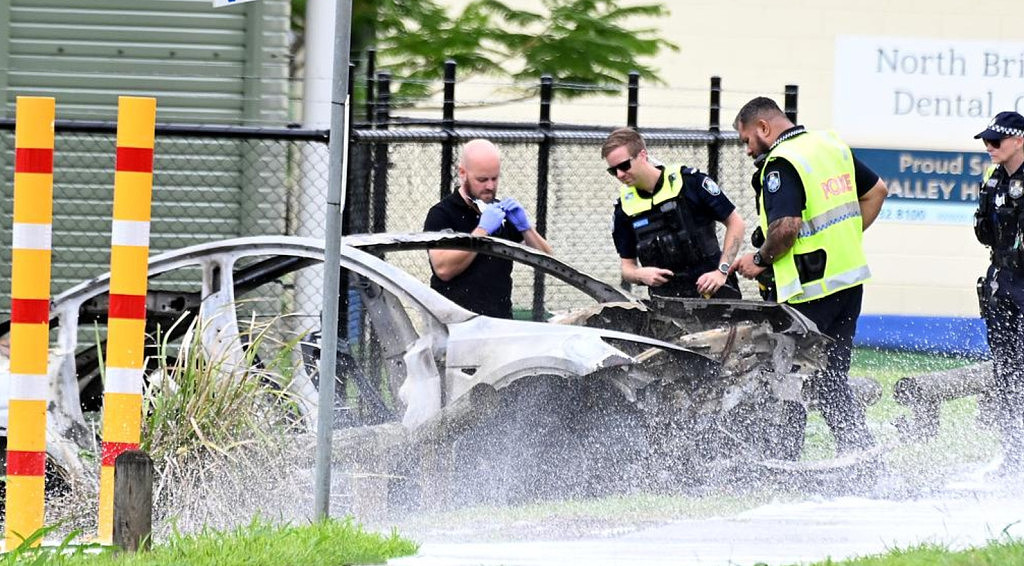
(923, 93)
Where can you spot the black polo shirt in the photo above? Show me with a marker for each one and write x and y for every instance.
(485, 286)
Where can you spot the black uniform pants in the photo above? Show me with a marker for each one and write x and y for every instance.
(836, 316)
(1005, 324)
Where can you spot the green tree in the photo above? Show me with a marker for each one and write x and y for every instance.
(590, 44)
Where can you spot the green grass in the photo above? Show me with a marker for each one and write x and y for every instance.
(325, 543)
(960, 438)
(995, 553)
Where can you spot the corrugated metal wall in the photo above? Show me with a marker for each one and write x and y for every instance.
(225, 65)
(204, 66)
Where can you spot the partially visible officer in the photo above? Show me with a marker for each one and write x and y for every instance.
(816, 201)
(999, 224)
(663, 224)
(480, 283)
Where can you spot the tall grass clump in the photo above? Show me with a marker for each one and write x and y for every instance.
(223, 430)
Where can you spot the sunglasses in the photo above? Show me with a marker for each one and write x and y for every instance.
(623, 167)
(994, 142)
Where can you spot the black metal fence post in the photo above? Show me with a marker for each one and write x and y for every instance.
(715, 127)
(380, 154)
(360, 170)
(791, 94)
(543, 164)
(346, 213)
(633, 104)
(371, 82)
(448, 125)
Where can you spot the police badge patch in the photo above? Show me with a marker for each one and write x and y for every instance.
(773, 182)
(1016, 188)
(711, 186)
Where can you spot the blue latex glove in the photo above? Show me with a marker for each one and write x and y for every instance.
(516, 214)
(491, 219)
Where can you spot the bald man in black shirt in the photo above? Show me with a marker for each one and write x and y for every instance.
(478, 282)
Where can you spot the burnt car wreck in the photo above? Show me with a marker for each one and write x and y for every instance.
(619, 394)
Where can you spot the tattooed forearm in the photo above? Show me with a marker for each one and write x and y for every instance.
(781, 236)
(731, 247)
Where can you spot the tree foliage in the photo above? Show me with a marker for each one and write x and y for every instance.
(588, 44)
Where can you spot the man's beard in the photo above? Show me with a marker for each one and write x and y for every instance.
(474, 194)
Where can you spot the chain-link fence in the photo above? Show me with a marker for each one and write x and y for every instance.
(577, 192)
(215, 183)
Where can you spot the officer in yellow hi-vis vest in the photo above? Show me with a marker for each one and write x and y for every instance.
(816, 200)
(663, 224)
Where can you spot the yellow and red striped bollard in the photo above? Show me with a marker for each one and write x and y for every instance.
(126, 320)
(30, 317)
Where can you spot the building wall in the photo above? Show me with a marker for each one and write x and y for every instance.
(203, 65)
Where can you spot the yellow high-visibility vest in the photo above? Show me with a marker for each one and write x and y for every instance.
(634, 204)
(831, 218)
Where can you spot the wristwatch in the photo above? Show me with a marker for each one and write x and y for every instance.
(758, 260)
(724, 268)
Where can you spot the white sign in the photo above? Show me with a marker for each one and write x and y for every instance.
(222, 3)
(923, 93)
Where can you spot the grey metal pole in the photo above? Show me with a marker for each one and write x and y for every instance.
(332, 257)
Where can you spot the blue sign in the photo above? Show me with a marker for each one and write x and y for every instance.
(927, 187)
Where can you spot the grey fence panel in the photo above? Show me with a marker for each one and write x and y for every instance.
(204, 189)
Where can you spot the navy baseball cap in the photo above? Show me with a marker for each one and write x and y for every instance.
(1005, 124)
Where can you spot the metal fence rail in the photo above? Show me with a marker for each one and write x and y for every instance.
(218, 182)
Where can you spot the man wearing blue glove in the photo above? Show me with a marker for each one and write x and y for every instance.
(480, 283)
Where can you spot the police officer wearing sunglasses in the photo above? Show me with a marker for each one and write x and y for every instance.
(663, 224)
(999, 224)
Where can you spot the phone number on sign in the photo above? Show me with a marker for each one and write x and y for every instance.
(903, 214)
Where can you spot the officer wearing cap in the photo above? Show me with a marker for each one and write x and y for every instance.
(816, 200)
(998, 224)
(663, 224)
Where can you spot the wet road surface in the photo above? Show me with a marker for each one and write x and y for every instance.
(968, 512)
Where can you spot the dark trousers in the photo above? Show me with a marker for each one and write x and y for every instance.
(836, 316)
(1005, 324)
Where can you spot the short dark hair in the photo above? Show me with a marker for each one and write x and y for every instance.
(756, 109)
(628, 137)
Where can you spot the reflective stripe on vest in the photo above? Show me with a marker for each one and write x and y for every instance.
(831, 218)
(812, 226)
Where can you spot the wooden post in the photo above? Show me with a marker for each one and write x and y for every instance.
(133, 500)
